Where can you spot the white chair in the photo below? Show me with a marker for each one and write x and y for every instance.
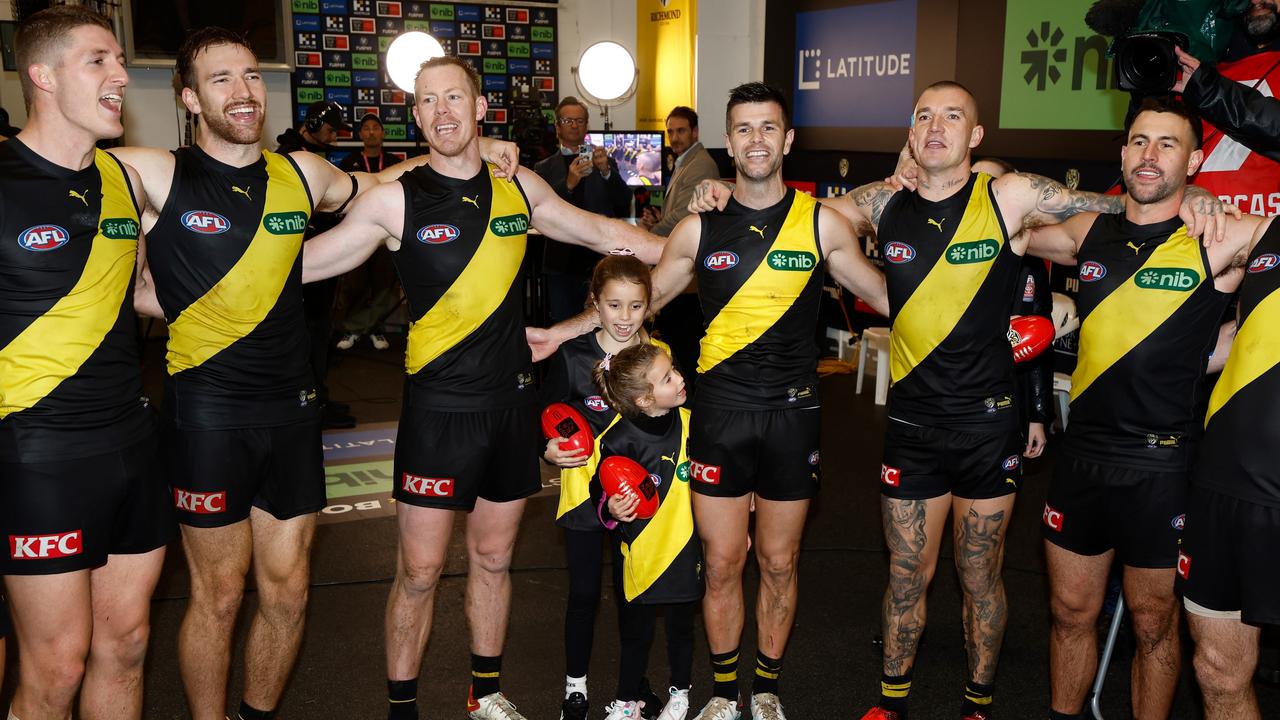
(1062, 393)
(876, 338)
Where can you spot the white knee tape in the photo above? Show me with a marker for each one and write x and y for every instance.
(11, 715)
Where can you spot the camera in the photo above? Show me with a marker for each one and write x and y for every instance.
(1145, 62)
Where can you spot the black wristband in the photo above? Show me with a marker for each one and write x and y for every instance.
(355, 187)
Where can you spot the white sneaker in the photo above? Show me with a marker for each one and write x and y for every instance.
(348, 341)
(493, 707)
(719, 709)
(766, 706)
(379, 341)
(677, 706)
(622, 710)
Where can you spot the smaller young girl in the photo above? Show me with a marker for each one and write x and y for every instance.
(661, 556)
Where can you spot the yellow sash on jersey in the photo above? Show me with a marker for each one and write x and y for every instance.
(943, 297)
(767, 294)
(649, 555)
(1255, 350)
(481, 286)
(54, 346)
(237, 303)
(575, 482)
(1131, 312)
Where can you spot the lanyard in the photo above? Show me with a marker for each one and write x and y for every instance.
(369, 169)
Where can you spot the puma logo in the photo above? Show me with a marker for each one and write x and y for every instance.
(1136, 248)
(79, 196)
(759, 231)
(669, 459)
(242, 191)
(937, 223)
(473, 201)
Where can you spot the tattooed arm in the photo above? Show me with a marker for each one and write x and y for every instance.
(863, 206)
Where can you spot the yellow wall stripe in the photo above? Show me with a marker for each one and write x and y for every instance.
(237, 303)
(1255, 350)
(1130, 314)
(478, 290)
(649, 556)
(77, 324)
(761, 301)
(945, 294)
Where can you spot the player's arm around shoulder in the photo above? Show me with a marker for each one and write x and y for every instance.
(1227, 259)
(846, 261)
(1029, 200)
(145, 300)
(675, 268)
(559, 220)
(863, 206)
(151, 173)
(1059, 242)
(331, 188)
(376, 218)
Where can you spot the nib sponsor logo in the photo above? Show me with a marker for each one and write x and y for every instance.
(45, 547)
(890, 475)
(427, 486)
(707, 474)
(1052, 518)
(200, 503)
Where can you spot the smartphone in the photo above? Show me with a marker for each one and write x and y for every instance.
(585, 151)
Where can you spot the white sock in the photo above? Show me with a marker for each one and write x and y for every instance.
(573, 685)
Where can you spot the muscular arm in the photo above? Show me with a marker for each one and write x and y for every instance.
(1061, 242)
(504, 155)
(376, 218)
(1027, 200)
(563, 222)
(848, 264)
(863, 205)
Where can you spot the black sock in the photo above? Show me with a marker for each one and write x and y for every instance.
(248, 712)
(485, 672)
(724, 667)
(893, 693)
(402, 699)
(767, 671)
(1055, 715)
(977, 697)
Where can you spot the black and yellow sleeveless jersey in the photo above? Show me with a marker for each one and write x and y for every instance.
(662, 556)
(226, 256)
(1149, 317)
(950, 275)
(760, 285)
(70, 384)
(569, 381)
(459, 261)
(1242, 427)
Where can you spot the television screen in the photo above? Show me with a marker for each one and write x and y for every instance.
(156, 28)
(638, 154)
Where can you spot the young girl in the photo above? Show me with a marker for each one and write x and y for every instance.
(620, 292)
(661, 556)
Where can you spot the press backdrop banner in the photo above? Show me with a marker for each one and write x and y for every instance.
(666, 56)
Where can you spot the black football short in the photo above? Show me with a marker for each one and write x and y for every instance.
(6, 625)
(1093, 508)
(927, 462)
(60, 516)
(773, 453)
(449, 459)
(1228, 558)
(217, 476)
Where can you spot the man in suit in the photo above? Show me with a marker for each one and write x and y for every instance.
(681, 321)
(591, 183)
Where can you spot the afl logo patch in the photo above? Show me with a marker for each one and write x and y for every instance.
(438, 234)
(1179, 522)
(722, 260)
(1263, 263)
(1011, 462)
(814, 457)
(1092, 271)
(899, 253)
(596, 403)
(205, 222)
(43, 238)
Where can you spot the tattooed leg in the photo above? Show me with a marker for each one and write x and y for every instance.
(980, 527)
(913, 533)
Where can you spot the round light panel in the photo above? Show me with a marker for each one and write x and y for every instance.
(406, 55)
(606, 70)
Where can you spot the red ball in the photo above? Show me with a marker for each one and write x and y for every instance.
(1030, 335)
(618, 473)
(561, 420)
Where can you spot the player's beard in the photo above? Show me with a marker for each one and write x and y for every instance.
(1261, 28)
(757, 173)
(1149, 194)
(234, 133)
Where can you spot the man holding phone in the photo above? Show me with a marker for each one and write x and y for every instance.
(589, 179)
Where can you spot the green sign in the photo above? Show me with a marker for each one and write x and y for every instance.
(120, 228)
(792, 260)
(337, 77)
(364, 61)
(518, 49)
(1180, 279)
(543, 33)
(306, 6)
(394, 131)
(441, 12)
(419, 25)
(495, 66)
(285, 223)
(308, 95)
(973, 252)
(1057, 75)
(357, 479)
(384, 42)
(509, 225)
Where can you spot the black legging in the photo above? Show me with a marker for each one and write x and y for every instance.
(637, 625)
(584, 552)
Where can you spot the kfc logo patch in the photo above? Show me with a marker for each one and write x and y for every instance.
(428, 486)
(1184, 565)
(199, 502)
(707, 474)
(890, 475)
(1052, 518)
(45, 547)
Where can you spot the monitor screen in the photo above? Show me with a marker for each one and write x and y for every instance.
(155, 29)
(637, 153)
